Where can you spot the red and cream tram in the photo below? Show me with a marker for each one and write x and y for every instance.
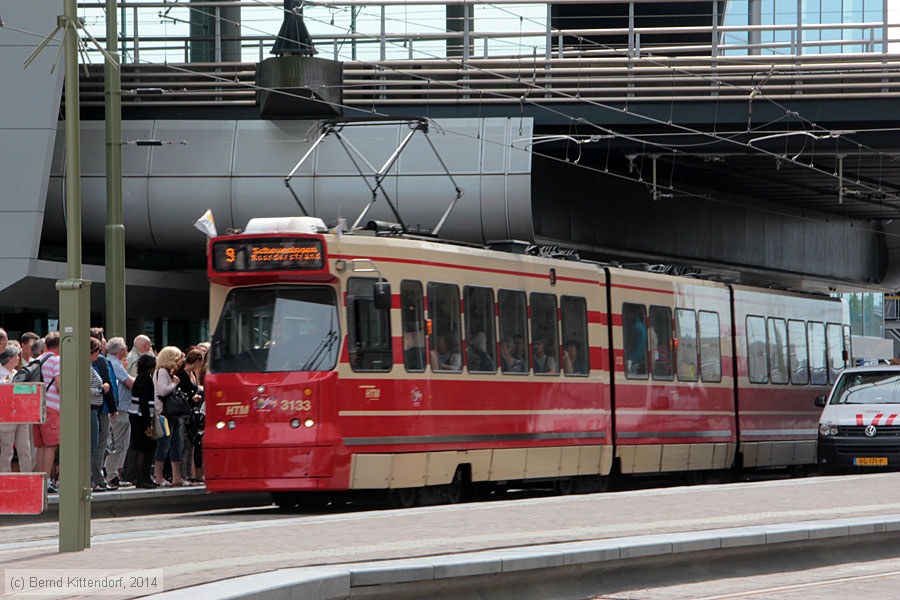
(384, 362)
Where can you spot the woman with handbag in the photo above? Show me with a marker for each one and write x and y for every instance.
(189, 383)
(165, 384)
(141, 416)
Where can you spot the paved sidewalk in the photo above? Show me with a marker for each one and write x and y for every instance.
(195, 555)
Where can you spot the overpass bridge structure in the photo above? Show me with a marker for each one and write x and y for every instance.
(641, 132)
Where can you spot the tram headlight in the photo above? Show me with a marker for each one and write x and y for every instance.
(308, 423)
(220, 425)
(231, 424)
(260, 389)
(295, 423)
(828, 428)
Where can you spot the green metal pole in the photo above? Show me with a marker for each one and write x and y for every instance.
(115, 230)
(74, 307)
(74, 450)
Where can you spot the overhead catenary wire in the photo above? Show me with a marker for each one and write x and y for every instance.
(637, 139)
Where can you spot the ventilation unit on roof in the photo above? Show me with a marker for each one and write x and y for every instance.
(286, 225)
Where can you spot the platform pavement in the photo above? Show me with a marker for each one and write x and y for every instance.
(337, 555)
(135, 501)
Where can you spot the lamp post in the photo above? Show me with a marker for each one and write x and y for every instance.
(74, 319)
(114, 232)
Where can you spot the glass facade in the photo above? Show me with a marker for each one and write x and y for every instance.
(866, 313)
(825, 26)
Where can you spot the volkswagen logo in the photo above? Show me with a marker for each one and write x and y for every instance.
(870, 431)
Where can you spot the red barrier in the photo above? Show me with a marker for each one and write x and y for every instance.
(22, 493)
(22, 403)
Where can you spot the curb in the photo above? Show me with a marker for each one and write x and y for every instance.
(400, 577)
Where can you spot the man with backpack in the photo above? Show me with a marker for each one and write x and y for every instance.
(46, 435)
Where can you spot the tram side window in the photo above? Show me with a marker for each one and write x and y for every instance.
(686, 334)
(481, 342)
(798, 352)
(757, 365)
(369, 328)
(574, 334)
(443, 309)
(412, 318)
(778, 352)
(835, 340)
(513, 332)
(634, 340)
(544, 334)
(661, 342)
(817, 359)
(710, 347)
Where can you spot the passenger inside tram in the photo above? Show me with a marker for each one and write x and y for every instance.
(573, 359)
(509, 362)
(636, 345)
(543, 362)
(477, 358)
(414, 350)
(520, 349)
(444, 357)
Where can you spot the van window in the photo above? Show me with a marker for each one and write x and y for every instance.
(848, 344)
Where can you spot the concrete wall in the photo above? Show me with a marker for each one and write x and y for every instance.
(743, 234)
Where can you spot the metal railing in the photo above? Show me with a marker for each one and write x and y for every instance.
(505, 66)
(511, 81)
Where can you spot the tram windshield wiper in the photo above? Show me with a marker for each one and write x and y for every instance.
(321, 351)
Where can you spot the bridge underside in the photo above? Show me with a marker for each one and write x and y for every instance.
(794, 182)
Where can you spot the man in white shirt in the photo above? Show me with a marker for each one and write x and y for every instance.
(119, 425)
(142, 345)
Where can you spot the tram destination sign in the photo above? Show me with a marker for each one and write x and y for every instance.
(268, 254)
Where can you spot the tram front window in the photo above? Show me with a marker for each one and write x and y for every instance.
(265, 330)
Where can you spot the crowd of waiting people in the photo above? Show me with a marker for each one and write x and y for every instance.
(135, 440)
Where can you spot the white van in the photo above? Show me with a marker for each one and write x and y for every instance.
(860, 423)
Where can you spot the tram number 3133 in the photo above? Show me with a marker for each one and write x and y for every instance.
(302, 405)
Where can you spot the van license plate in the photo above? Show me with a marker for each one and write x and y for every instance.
(879, 461)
